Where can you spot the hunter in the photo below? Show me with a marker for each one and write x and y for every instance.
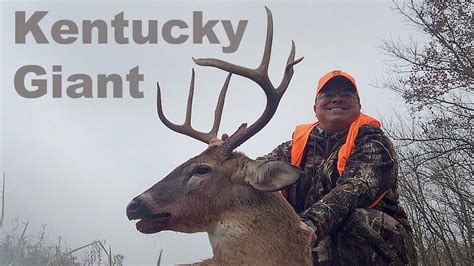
(348, 195)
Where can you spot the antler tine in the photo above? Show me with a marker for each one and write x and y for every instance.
(220, 107)
(260, 76)
(268, 46)
(189, 107)
(288, 70)
(186, 127)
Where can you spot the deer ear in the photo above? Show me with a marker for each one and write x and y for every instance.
(271, 175)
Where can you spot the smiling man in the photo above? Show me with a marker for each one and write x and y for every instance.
(348, 196)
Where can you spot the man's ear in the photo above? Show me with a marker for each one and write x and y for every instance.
(271, 175)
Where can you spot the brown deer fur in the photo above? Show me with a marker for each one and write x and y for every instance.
(245, 225)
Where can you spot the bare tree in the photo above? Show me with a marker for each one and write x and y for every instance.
(436, 146)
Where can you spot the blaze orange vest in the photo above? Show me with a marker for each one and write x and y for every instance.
(301, 135)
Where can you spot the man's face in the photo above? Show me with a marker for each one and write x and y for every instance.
(336, 107)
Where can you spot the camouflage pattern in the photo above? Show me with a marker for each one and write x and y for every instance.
(348, 233)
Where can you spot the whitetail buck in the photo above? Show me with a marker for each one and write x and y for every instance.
(224, 193)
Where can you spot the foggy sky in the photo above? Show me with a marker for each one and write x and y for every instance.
(74, 164)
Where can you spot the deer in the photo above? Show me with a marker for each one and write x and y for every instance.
(233, 198)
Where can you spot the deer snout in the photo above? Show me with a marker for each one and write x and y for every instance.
(137, 209)
(151, 221)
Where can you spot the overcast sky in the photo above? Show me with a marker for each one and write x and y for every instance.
(74, 164)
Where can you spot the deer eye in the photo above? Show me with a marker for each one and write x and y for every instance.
(202, 169)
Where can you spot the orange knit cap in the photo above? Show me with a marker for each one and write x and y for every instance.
(324, 79)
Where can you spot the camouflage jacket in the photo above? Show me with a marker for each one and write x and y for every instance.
(325, 198)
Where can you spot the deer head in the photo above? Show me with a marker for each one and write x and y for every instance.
(218, 182)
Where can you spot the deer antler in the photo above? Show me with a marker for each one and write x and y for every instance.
(186, 128)
(260, 76)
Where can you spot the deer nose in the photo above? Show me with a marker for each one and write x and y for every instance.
(136, 209)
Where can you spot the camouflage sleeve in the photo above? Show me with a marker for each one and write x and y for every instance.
(371, 169)
(280, 153)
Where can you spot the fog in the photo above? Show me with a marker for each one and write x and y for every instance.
(74, 164)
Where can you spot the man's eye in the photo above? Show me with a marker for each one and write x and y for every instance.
(202, 169)
(346, 95)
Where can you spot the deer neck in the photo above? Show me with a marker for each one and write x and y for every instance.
(267, 233)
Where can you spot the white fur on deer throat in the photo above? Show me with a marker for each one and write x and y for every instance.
(222, 233)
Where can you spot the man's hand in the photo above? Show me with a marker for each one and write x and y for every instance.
(218, 142)
(309, 232)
